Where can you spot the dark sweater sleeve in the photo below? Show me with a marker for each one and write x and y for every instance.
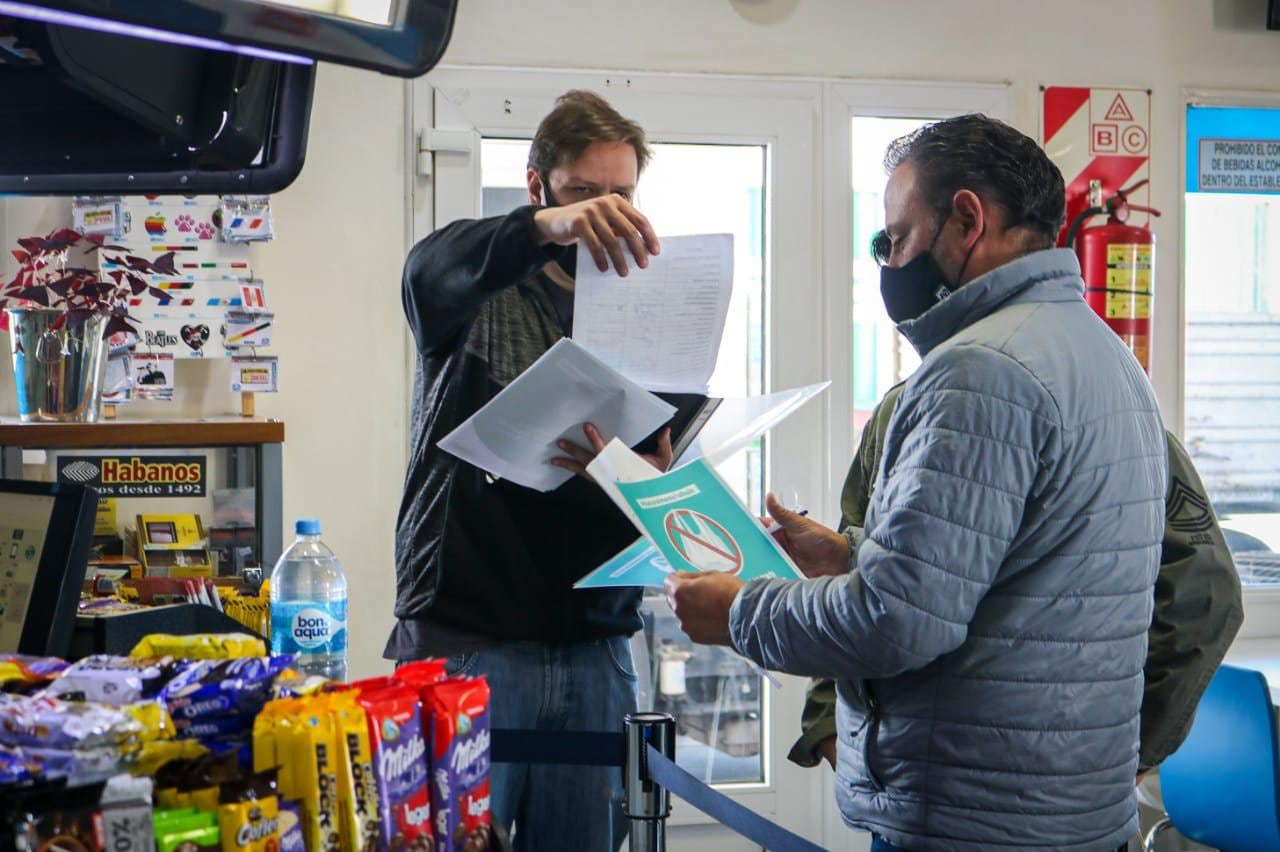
(1198, 611)
(450, 273)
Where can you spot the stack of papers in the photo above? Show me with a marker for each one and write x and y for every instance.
(514, 436)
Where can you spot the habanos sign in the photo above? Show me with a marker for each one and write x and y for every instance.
(135, 475)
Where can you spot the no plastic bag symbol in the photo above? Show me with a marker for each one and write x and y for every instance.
(703, 543)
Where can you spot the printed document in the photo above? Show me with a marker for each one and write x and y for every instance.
(514, 436)
(661, 326)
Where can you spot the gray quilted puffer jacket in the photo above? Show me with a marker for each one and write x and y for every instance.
(989, 649)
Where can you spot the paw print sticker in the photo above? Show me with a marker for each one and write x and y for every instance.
(185, 223)
(205, 230)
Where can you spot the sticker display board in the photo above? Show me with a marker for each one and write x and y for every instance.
(1096, 133)
(214, 276)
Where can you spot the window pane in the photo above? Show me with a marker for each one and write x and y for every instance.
(714, 694)
(881, 357)
(716, 697)
(1232, 245)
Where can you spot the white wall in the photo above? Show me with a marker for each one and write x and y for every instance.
(334, 274)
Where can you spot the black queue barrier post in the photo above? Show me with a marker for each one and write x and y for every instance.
(646, 803)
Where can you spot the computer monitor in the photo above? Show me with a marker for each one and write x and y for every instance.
(45, 532)
(401, 37)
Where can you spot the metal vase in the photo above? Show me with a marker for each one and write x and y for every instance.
(57, 372)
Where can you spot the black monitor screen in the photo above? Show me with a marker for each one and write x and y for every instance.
(401, 37)
(45, 533)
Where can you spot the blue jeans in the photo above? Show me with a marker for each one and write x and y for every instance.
(587, 686)
(879, 844)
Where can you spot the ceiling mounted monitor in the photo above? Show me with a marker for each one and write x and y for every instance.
(88, 112)
(111, 97)
(401, 37)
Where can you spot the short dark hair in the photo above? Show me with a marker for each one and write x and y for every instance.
(990, 158)
(578, 119)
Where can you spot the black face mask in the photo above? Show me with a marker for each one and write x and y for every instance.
(910, 290)
(569, 258)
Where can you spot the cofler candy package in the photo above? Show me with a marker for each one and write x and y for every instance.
(459, 760)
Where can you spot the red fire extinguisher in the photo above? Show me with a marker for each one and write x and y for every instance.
(1117, 261)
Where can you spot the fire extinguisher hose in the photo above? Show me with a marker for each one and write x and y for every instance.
(1081, 218)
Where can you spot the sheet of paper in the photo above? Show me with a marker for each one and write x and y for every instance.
(618, 463)
(639, 565)
(660, 326)
(691, 518)
(513, 437)
(737, 422)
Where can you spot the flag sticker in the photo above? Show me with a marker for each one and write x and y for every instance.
(251, 296)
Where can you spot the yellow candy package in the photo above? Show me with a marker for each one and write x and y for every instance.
(151, 756)
(249, 814)
(11, 672)
(309, 745)
(357, 792)
(156, 722)
(268, 752)
(200, 646)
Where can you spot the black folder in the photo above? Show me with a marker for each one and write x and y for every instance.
(693, 410)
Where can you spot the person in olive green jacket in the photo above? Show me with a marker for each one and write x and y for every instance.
(1198, 607)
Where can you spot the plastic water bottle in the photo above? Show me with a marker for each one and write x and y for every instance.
(309, 605)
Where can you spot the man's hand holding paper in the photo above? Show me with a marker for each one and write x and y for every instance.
(818, 551)
(576, 457)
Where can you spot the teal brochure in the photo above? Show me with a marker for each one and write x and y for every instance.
(639, 565)
(697, 524)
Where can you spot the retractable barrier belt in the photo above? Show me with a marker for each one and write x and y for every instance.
(598, 748)
(724, 810)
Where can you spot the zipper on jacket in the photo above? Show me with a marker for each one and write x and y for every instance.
(872, 727)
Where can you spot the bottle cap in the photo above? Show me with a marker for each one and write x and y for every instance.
(307, 526)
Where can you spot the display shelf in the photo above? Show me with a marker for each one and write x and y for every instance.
(251, 449)
(125, 434)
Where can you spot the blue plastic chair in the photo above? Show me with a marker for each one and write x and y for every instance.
(1222, 786)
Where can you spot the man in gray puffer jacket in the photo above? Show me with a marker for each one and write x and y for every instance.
(989, 648)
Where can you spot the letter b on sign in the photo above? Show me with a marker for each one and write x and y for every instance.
(1103, 139)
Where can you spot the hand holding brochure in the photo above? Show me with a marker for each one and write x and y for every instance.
(690, 516)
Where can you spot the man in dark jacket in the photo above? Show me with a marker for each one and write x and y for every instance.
(1198, 607)
(485, 568)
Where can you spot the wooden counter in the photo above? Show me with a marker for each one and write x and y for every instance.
(113, 434)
